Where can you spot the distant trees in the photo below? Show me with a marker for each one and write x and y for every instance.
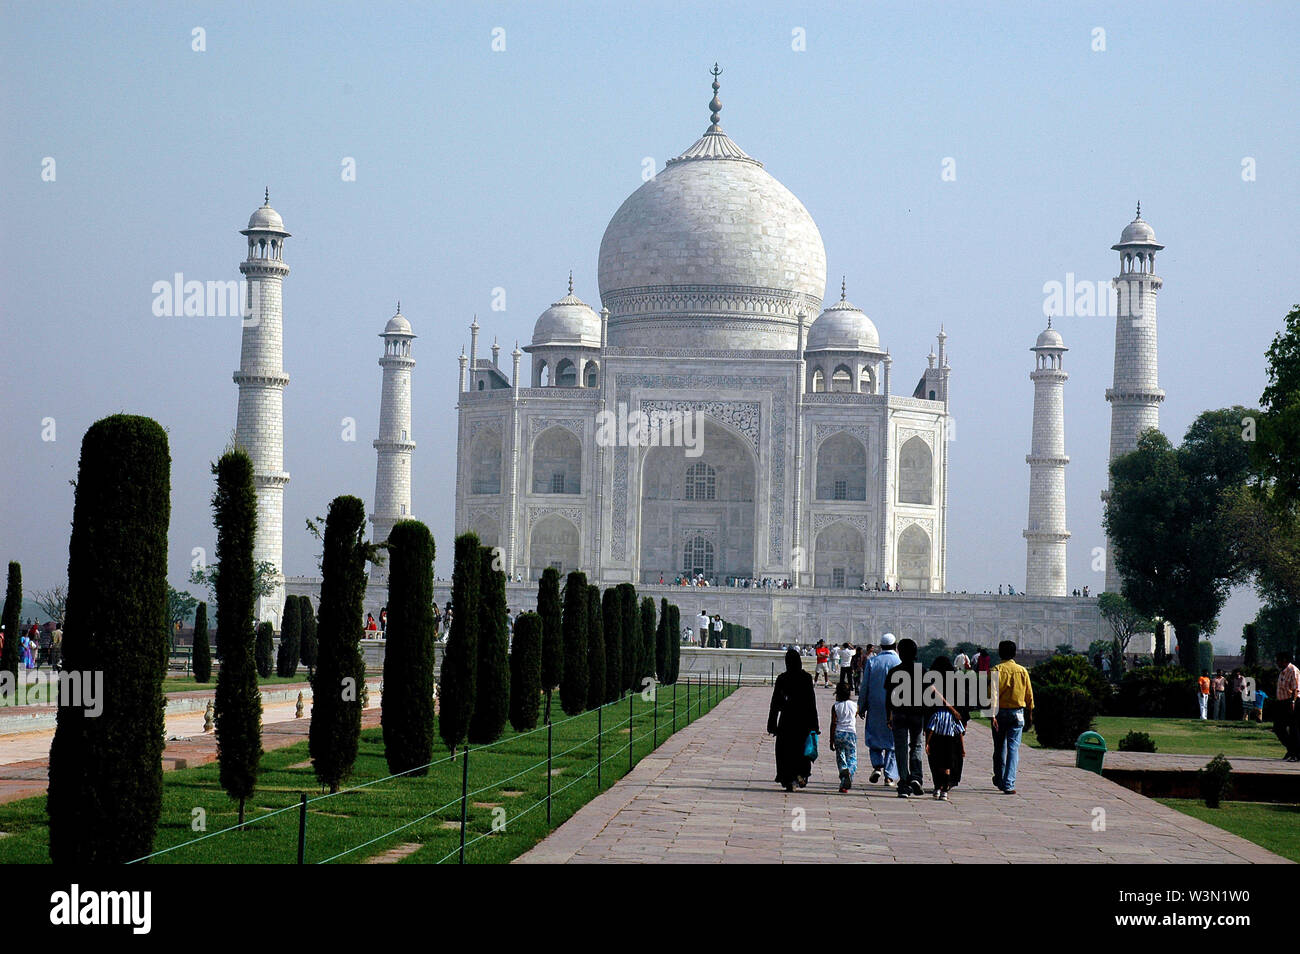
(595, 649)
(340, 671)
(201, 658)
(238, 703)
(526, 672)
(548, 608)
(674, 643)
(646, 651)
(492, 675)
(54, 602)
(105, 769)
(181, 605)
(286, 660)
(1125, 621)
(611, 615)
(460, 660)
(630, 629)
(573, 681)
(307, 634)
(407, 711)
(12, 620)
(264, 650)
(661, 643)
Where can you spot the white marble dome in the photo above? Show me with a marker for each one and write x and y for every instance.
(569, 321)
(398, 325)
(266, 219)
(1050, 338)
(712, 252)
(843, 327)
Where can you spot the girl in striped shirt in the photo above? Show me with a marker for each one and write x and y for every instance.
(945, 740)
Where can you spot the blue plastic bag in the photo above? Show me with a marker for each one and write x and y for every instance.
(810, 746)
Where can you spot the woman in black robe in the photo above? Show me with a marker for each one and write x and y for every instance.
(792, 716)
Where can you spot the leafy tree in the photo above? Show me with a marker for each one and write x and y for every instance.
(611, 612)
(307, 635)
(264, 649)
(492, 676)
(1125, 621)
(238, 704)
(646, 652)
(1250, 645)
(105, 773)
(1276, 629)
(54, 602)
(1278, 431)
(286, 661)
(12, 620)
(595, 649)
(526, 672)
(266, 578)
(932, 650)
(573, 682)
(180, 609)
(340, 671)
(201, 660)
(460, 660)
(631, 631)
(548, 608)
(407, 711)
(1167, 518)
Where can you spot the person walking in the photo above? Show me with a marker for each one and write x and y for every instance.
(1236, 689)
(1015, 714)
(905, 716)
(871, 707)
(957, 755)
(791, 716)
(856, 664)
(1218, 689)
(945, 739)
(823, 654)
(844, 734)
(1285, 724)
(1203, 693)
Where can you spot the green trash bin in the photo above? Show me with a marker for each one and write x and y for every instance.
(1089, 752)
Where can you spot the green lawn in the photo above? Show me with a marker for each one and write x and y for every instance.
(36, 695)
(366, 816)
(1275, 827)
(1189, 736)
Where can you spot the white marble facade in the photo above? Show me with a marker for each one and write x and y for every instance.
(810, 466)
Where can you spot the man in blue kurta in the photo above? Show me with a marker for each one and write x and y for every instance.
(871, 706)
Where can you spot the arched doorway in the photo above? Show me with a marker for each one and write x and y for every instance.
(552, 542)
(840, 557)
(914, 559)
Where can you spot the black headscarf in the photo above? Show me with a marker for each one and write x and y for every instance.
(793, 661)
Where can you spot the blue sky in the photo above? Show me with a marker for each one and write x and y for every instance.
(479, 169)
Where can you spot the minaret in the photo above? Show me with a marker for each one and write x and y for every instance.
(259, 424)
(1046, 536)
(394, 444)
(1135, 396)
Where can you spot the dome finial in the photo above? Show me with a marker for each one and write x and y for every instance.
(266, 198)
(1049, 321)
(570, 281)
(1139, 215)
(399, 306)
(715, 105)
(843, 288)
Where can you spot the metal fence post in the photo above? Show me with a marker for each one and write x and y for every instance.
(674, 707)
(630, 734)
(549, 775)
(302, 829)
(655, 736)
(600, 738)
(464, 799)
(740, 672)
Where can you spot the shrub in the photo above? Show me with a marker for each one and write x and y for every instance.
(340, 671)
(238, 703)
(1205, 656)
(1137, 742)
(105, 772)
(526, 672)
(456, 698)
(674, 642)
(286, 660)
(12, 620)
(630, 629)
(1062, 714)
(201, 658)
(265, 649)
(1075, 671)
(595, 648)
(492, 675)
(548, 608)
(407, 707)
(1163, 691)
(307, 643)
(573, 685)
(611, 613)
(1215, 780)
(646, 651)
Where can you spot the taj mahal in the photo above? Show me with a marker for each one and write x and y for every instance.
(813, 497)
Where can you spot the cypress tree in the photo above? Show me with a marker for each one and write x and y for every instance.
(573, 684)
(548, 608)
(307, 634)
(407, 711)
(674, 657)
(611, 606)
(630, 630)
(12, 620)
(265, 649)
(492, 678)
(286, 661)
(595, 649)
(105, 788)
(238, 703)
(201, 658)
(646, 656)
(661, 643)
(340, 671)
(459, 661)
(526, 672)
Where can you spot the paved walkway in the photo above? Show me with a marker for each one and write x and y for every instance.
(707, 795)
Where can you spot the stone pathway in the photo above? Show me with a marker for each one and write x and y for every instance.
(707, 795)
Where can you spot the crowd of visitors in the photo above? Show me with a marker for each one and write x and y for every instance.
(38, 644)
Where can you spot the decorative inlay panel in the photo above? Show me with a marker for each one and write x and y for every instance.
(742, 415)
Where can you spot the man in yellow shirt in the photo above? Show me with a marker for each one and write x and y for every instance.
(1015, 714)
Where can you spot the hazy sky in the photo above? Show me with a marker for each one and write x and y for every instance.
(478, 169)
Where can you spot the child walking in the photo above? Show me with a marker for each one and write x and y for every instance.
(844, 734)
(945, 744)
